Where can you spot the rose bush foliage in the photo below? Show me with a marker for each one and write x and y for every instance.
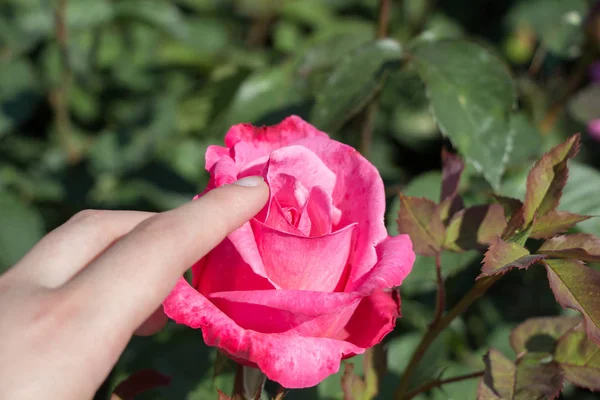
(310, 280)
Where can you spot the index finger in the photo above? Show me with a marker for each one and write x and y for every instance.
(126, 284)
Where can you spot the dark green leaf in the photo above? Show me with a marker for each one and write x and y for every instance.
(353, 83)
(472, 95)
(21, 227)
(558, 23)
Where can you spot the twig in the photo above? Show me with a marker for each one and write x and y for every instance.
(480, 287)
(441, 293)
(384, 18)
(60, 96)
(440, 382)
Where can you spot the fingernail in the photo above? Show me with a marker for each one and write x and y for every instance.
(249, 181)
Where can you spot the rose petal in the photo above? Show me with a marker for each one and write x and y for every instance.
(302, 164)
(302, 312)
(396, 258)
(307, 263)
(293, 361)
(223, 269)
(277, 220)
(317, 213)
(269, 138)
(214, 154)
(374, 318)
(359, 193)
(245, 244)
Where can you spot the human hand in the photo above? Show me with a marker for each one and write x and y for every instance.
(69, 307)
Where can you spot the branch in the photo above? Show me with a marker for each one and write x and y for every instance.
(440, 382)
(480, 287)
(441, 293)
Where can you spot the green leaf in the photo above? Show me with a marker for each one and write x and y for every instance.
(353, 83)
(418, 217)
(21, 227)
(558, 23)
(160, 14)
(471, 94)
(540, 334)
(580, 246)
(579, 359)
(581, 196)
(527, 142)
(555, 222)
(503, 256)
(578, 287)
(475, 227)
(547, 179)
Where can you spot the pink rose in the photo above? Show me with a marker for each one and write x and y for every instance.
(309, 281)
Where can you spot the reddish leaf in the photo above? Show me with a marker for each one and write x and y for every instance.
(579, 358)
(547, 179)
(537, 379)
(555, 222)
(503, 256)
(510, 205)
(578, 287)
(138, 383)
(475, 227)
(528, 335)
(528, 379)
(419, 218)
(452, 169)
(223, 396)
(515, 227)
(580, 246)
(498, 381)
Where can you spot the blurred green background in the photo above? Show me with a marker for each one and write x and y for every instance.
(112, 103)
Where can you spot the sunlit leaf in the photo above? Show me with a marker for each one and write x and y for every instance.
(418, 217)
(580, 246)
(503, 256)
(475, 227)
(547, 179)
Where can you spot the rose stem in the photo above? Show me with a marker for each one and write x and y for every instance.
(440, 382)
(480, 287)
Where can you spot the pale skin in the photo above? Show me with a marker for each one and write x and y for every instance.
(69, 307)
